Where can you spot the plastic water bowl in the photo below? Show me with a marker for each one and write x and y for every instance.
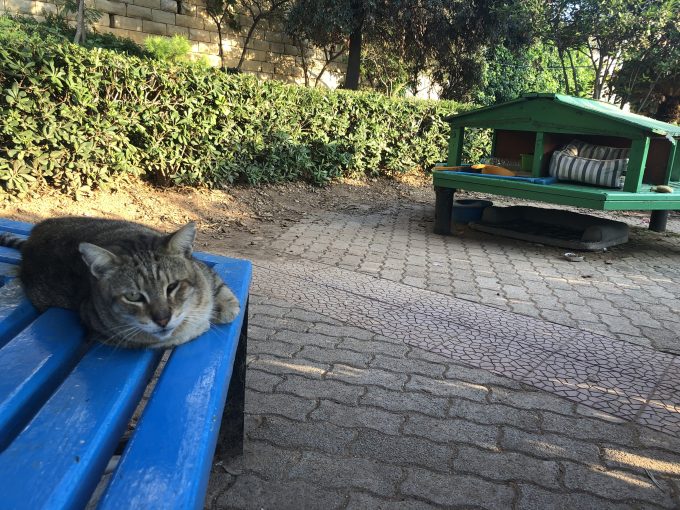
(467, 211)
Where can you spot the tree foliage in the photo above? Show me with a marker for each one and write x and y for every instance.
(608, 30)
(630, 46)
(507, 74)
(331, 24)
(224, 13)
(443, 38)
(649, 76)
(605, 32)
(465, 45)
(451, 46)
(383, 71)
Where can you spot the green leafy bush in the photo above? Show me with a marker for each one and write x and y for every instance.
(56, 26)
(76, 118)
(172, 49)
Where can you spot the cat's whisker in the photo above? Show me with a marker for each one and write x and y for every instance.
(117, 330)
(114, 338)
(124, 337)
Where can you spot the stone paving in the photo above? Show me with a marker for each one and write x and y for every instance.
(340, 417)
(602, 372)
(631, 292)
(404, 391)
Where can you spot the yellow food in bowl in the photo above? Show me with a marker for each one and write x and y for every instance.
(494, 170)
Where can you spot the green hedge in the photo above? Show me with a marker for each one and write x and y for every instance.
(77, 118)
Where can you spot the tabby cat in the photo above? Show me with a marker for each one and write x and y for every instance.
(133, 286)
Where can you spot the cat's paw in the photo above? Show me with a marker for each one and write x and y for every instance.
(226, 307)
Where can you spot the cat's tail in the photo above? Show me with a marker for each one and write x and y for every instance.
(11, 241)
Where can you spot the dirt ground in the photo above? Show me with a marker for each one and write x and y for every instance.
(239, 219)
(244, 219)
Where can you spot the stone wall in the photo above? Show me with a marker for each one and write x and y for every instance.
(271, 54)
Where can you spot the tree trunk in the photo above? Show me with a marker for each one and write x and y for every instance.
(597, 87)
(249, 36)
(220, 49)
(80, 23)
(596, 62)
(303, 60)
(560, 52)
(577, 89)
(651, 88)
(354, 60)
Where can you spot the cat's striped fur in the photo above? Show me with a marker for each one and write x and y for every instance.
(133, 286)
(11, 240)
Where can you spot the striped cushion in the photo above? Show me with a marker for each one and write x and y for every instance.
(571, 149)
(593, 164)
(600, 172)
(590, 151)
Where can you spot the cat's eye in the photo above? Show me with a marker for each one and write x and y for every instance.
(134, 297)
(172, 287)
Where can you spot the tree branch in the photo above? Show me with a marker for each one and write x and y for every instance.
(328, 57)
(261, 14)
(256, 20)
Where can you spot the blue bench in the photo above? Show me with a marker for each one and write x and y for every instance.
(65, 405)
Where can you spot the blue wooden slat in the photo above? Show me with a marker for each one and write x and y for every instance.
(9, 255)
(59, 457)
(208, 258)
(16, 311)
(9, 270)
(532, 180)
(33, 364)
(16, 227)
(167, 463)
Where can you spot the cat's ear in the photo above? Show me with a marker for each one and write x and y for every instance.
(182, 241)
(99, 260)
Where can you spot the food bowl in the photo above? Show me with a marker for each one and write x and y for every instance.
(467, 211)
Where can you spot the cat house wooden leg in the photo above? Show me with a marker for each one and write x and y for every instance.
(442, 210)
(658, 220)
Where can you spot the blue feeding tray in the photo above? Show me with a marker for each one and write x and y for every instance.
(466, 211)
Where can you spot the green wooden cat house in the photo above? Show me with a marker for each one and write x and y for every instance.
(577, 152)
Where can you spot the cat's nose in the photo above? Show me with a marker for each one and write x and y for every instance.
(161, 320)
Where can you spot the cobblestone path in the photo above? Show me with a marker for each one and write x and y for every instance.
(628, 381)
(379, 377)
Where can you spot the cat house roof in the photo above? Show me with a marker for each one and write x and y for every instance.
(558, 113)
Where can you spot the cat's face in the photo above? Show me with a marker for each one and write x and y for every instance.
(155, 295)
(151, 291)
